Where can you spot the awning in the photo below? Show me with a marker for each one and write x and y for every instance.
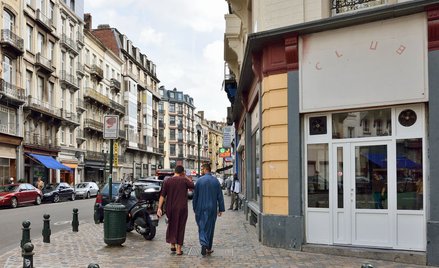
(48, 161)
(224, 168)
(70, 165)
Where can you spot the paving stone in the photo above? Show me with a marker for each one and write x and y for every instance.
(235, 245)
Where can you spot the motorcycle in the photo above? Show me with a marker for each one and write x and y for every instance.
(141, 214)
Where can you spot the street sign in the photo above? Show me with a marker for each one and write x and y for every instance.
(225, 152)
(228, 135)
(111, 127)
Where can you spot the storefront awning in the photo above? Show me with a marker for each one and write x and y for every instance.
(224, 168)
(48, 161)
(70, 165)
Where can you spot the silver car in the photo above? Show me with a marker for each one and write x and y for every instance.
(86, 189)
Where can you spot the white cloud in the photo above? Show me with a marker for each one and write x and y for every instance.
(183, 39)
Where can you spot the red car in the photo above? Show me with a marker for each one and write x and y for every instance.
(14, 195)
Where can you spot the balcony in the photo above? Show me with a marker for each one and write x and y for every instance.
(154, 113)
(80, 39)
(80, 138)
(139, 106)
(44, 21)
(11, 93)
(154, 132)
(343, 6)
(8, 128)
(192, 156)
(12, 42)
(97, 73)
(94, 125)
(139, 126)
(180, 126)
(180, 155)
(80, 70)
(43, 107)
(80, 106)
(43, 63)
(115, 85)
(191, 142)
(69, 44)
(117, 107)
(69, 117)
(68, 81)
(93, 155)
(34, 140)
(92, 94)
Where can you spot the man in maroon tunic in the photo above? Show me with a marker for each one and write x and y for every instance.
(175, 191)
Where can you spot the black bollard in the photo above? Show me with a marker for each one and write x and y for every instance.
(46, 228)
(25, 238)
(96, 214)
(75, 222)
(366, 265)
(93, 265)
(28, 255)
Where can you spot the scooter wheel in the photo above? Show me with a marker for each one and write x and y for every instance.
(150, 234)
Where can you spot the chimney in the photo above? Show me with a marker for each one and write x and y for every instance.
(201, 114)
(88, 21)
(104, 26)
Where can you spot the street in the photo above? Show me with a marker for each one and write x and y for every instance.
(61, 215)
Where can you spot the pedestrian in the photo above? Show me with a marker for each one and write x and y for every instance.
(208, 203)
(40, 183)
(229, 185)
(175, 191)
(235, 189)
(11, 180)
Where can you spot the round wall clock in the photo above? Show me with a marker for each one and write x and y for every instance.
(407, 117)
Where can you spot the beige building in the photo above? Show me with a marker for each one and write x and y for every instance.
(333, 102)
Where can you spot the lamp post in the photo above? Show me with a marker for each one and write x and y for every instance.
(199, 146)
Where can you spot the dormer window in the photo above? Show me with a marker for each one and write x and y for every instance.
(343, 6)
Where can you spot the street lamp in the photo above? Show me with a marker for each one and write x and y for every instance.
(199, 146)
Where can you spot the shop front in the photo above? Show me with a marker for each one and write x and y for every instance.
(44, 166)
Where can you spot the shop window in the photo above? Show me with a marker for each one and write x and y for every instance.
(256, 173)
(318, 175)
(360, 124)
(343, 6)
(409, 177)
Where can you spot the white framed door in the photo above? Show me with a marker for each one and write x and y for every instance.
(361, 211)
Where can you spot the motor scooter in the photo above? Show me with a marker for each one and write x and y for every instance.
(140, 213)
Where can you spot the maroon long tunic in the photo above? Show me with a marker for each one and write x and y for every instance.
(175, 192)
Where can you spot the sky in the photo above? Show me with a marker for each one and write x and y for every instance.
(185, 40)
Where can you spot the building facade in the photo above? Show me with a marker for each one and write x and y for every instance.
(177, 129)
(332, 104)
(140, 98)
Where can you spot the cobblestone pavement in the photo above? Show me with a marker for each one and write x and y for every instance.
(235, 245)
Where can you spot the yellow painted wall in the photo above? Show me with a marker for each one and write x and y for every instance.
(275, 144)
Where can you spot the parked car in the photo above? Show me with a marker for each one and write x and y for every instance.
(14, 195)
(103, 198)
(55, 192)
(86, 189)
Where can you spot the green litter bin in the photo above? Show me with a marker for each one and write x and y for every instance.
(114, 224)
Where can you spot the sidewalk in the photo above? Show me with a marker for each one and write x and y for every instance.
(235, 245)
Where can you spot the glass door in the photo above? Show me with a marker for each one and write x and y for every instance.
(360, 200)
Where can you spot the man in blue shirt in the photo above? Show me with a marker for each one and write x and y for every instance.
(208, 203)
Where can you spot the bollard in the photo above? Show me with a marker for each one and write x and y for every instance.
(28, 255)
(93, 265)
(366, 265)
(46, 228)
(75, 221)
(26, 233)
(96, 214)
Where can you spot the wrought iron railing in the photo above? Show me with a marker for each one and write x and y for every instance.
(44, 106)
(93, 124)
(80, 68)
(34, 139)
(12, 91)
(93, 155)
(40, 59)
(118, 107)
(68, 42)
(8, 128)
(69, 78)
(9, 37)
(342, 6)
(80, 38)
(44, 19)
(92, 93)
(115, 84)
(97, 71)
(80, 134)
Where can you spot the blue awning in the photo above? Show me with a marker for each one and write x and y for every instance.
(49, 161)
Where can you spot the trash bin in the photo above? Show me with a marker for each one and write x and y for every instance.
(114, 224)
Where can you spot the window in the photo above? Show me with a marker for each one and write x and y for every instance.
(40, 43)
(63, 61)
(72, 5)
(256, 173)
(107, 71)
(40, 88)
(63, 135)
(172, 134)
(409, 177)
(172, 107)
(63, 25)
(8, 20)
(63, 97)
(50, 49)
(172, 149)
(71, 137)
(29, 31)
(87, 56)
(318, 175)
(51, 11)
(8, 69)
(50, 93)
(172, 120)
(28, 83)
